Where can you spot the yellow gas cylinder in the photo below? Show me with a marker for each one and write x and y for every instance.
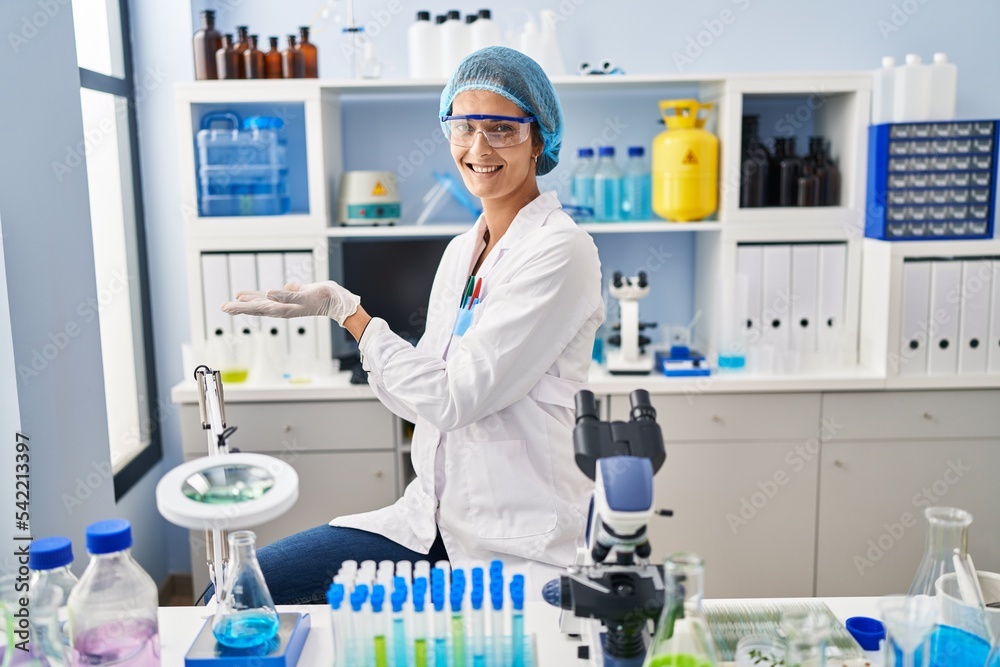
(685, 170)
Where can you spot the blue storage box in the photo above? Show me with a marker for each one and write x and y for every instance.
(243, 166)
(931, 180)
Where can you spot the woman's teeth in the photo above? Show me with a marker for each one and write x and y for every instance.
(484, 170)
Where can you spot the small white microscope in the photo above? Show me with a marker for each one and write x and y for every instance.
(631, 357)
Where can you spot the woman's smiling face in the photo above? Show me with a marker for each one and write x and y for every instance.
(490, 173)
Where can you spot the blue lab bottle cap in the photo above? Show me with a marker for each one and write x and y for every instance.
(585, 152)
(867, 631)
(262, 123)
(636, 151)
(107, 537)
(606, 151)
(49, 553)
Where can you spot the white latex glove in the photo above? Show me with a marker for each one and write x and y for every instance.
(326, 299)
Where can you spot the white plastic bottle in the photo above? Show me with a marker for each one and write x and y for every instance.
(49, 559)
(454, 42)
(912, 91)
(485, 31)
(882, 91)
(550, 58)
(423, 50)
(112, 611)
(944, 87)
(607, 186)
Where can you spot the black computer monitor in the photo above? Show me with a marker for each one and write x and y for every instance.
(393, 277)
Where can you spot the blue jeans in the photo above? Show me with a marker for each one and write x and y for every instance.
(299, 568)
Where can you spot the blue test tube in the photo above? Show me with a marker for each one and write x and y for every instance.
(496, 616)
(517, 620)
(399, 628)
(478, 620)
(379, 627)
(359, 643)
(420, 623)
(457, 620)
(440, 628)
(335, 598)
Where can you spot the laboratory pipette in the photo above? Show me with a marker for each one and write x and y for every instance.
(457, 621)
(419, 623)
(379, 626)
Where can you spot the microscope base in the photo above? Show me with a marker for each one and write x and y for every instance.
(617, 364)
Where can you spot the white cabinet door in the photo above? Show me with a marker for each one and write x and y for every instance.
(872, 495)
(330, 485)
(748, 509)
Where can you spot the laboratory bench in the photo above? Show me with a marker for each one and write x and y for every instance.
(817, 482)
(179, 626)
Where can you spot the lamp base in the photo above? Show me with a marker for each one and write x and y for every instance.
(283, 651)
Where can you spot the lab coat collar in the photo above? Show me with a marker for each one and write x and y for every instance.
(528, 219)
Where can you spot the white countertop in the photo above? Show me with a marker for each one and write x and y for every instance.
(180, 625)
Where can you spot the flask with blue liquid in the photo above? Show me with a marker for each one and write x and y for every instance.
(636, 186)
(582, 185)
(245, 616)
(607, 185)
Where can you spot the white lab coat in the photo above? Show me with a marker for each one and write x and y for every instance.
(492, 448)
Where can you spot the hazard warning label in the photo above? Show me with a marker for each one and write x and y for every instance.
(690, 157)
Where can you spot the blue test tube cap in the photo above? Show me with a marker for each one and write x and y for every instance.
(335, 595)
(496, 597)
(397, 603)
(378, 597)
(362, 591)
(477, 595)
(477, 576)
(517, 591)
(496, 565)
(356, 602)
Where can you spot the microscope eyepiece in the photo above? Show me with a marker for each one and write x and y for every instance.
(642, 409)
(643, 281)
(617, 279)
(586, 406)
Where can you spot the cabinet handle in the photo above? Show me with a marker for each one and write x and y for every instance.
(928, 416)
(286, 428)
(717, 419)
(378, 474)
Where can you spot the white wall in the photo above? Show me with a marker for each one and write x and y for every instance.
(647, 36)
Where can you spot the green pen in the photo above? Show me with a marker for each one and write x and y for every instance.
(468, 290)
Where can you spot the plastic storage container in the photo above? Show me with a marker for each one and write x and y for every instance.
(243, 167)
(112, 611)
(607, 185)
(582, 185)
(944, 88)
(636, 186)
(424, 53)
(912, 91)
(882, 91)
(49, 559)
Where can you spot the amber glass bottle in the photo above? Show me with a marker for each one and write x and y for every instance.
(207, 40)
(291, 61)
(272, 61)
(242, 44)
(253, 60)
(310, 61)
(227, 60)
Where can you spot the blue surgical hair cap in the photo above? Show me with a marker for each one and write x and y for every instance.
(521, 80)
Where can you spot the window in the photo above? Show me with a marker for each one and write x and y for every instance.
(111, 150)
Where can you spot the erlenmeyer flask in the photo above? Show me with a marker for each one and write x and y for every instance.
(245, 616)
(805, 638)
(948, 530)
(682, 637)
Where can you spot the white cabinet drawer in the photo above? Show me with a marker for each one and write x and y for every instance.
(297, 427)
(907, 415)
(731, 416)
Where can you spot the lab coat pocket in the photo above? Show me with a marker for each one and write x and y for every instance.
(510, 489)
(465, 319)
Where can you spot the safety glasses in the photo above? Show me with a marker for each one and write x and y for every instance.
(500, 131)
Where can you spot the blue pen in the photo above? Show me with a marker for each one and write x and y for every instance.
(517, 620)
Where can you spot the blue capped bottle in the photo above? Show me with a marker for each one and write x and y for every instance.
(636, 186)
(607, 186)
(49, 559)
(582, 184)
(112, 611)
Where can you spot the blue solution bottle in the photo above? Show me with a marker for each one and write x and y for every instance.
(607, 186)
(636, 187)
(582, 184)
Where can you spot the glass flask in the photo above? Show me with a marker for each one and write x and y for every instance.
(909, 621)
(245, 616)
(805, 638)
(948, 529)
(272, 60)
(682, 637)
